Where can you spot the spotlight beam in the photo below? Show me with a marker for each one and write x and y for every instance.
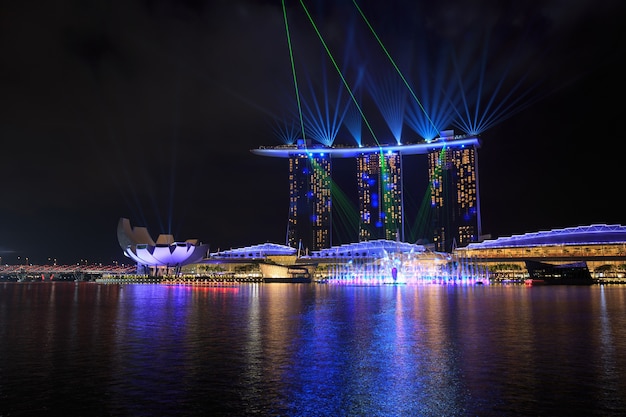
(343, 79)
(392, 61)
(293, 68)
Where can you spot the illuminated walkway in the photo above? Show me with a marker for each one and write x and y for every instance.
(51, 272)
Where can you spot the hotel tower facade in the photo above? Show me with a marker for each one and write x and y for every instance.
(453, 183)
(379, 184)
(309, 222)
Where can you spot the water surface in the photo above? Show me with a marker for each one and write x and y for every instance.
(311, 350)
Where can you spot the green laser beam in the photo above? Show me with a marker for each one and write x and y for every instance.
(343, 79)
(393, 63)
(293, 69)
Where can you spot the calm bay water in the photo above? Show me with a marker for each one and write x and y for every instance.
(78, 349)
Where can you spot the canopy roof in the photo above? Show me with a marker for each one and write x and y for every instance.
(600, 234)
(256, 251)
(371, 248)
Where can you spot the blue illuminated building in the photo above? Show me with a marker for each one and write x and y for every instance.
(453, 187)
(309, 222)
(379, 183)
(601, 246)
(453, 176)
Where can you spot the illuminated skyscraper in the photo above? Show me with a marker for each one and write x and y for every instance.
(453, 178)
(379, 182)
(309, 219)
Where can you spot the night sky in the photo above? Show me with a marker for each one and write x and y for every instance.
(149, 109)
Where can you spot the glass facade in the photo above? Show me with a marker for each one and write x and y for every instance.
(379, 182)
(453, 179)
(309, 202)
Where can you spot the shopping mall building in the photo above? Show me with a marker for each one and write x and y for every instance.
(601, 246)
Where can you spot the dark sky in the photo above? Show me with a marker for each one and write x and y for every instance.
(148, 110)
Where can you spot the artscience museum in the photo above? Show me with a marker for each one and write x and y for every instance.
(166, 256)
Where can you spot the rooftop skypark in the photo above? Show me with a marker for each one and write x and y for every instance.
(286, 151)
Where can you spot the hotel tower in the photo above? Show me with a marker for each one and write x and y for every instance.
(309, 221)
(453, 183)
(379, 183)
(453, 187)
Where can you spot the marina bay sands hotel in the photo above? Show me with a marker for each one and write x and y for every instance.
(452, 187)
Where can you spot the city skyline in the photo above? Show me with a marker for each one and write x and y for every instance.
(150, 111)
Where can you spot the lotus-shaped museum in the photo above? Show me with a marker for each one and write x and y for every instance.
(138, 245)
